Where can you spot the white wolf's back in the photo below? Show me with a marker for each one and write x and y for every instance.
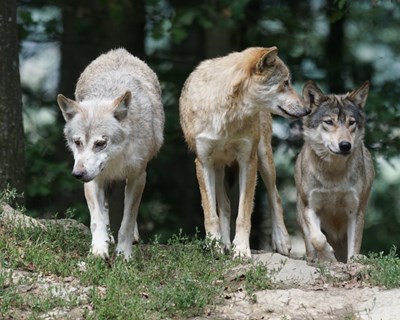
(111, 75)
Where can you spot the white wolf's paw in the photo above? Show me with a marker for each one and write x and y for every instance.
(281, 242)
(100, 250)
(124, 249)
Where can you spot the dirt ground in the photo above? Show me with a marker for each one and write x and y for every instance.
(310, 292)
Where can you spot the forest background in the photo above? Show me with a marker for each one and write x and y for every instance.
(337, 43)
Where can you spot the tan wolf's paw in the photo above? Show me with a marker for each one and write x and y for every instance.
(242, 252)
(241, 249)
(281, 242)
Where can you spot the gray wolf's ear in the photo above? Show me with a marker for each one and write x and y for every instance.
(359, 96)
(121, 106)
(312, 94)
(267, 60)
(69, 108)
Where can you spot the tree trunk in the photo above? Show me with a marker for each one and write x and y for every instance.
(335, 46)
(11, 128)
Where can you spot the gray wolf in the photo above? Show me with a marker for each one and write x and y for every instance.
(225, 113)
(334, 174)
(113, 128)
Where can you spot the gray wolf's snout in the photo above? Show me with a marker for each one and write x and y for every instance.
(345, 146)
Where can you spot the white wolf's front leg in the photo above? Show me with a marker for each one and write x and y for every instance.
(128, 233)
(99, 218)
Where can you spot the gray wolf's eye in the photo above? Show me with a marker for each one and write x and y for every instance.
(100, 144)
(351, 122)
(329, 122)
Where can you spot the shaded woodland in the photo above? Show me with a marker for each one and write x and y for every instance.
(337, 43)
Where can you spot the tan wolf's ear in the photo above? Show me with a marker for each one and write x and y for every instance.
(267, 60)
(121, 106)
(69, 108)
(312, 94)
(359, 96)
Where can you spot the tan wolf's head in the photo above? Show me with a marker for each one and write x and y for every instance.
(94, 132)
(336, 124)
(266, 79)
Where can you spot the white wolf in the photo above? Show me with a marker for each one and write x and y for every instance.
(114, 128)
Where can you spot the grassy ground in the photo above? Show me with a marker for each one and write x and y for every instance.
(178, 280)
(181, 279)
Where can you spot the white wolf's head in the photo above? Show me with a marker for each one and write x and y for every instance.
(94, 132)
(336, 124)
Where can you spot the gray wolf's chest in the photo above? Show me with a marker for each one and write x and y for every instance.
(334, 201)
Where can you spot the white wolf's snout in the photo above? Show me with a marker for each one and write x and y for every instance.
(87, 168)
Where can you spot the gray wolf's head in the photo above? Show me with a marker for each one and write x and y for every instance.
(336, 124)
(269, 84)
(94, 132)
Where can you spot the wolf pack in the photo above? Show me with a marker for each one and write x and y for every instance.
(115, 125)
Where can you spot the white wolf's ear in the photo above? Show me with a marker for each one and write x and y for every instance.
(267, 60)
(121, 106)
(69, 108)
(359, 96)
(312, 94)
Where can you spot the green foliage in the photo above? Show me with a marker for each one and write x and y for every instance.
(383, 270)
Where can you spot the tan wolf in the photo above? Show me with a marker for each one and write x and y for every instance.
(225, 113)
(113, 129)
(334, 174)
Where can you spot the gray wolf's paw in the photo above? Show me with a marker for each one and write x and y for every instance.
(281, 242)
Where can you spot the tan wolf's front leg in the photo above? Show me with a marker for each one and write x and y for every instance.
(247, 185)
(224, 208)
(266, 167)
(128, 232)
(206, 178)
(99, 218)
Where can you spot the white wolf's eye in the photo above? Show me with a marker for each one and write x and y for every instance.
(100, 144)
(328, 122)
(78, 143)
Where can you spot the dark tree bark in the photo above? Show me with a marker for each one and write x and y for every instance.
(11, 128)
(334, 56)
(92, 27)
